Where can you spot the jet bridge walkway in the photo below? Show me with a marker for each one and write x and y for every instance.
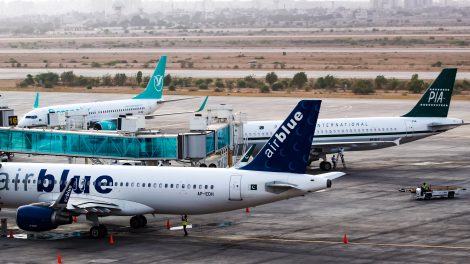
(145, 146)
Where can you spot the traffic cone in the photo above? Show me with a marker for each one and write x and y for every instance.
(111, 239)
(10, 234)
(59, 259)
(168, 226)
(247, 210)
(75, 219)
(345, 239)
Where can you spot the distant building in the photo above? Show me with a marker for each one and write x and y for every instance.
(417, 4)
(384, 4)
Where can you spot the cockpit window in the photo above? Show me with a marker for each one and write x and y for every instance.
(31, 117)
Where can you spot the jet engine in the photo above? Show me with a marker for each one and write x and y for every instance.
(105, 125)
(38, 218)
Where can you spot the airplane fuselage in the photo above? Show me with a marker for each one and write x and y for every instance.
(143, 190)
(95, 111)
(359, 130)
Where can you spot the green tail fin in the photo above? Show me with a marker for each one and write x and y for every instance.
(436, 100)
(36, 101)
(154, 89)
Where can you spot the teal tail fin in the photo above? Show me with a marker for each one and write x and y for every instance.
(436, 100)
(154, 89)
(36, 101)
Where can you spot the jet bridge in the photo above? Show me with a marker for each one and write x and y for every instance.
(198, 144)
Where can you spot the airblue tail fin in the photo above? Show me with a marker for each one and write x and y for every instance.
(288, 150)
(154, 89)
(435, 101)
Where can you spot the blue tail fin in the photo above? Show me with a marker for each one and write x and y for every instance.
(288, 150)
(154, 89)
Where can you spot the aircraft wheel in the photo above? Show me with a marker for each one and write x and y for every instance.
(98, 231)
(451, 195)
(103, 230)
(325, 166)
(135, 222)
(143, 220)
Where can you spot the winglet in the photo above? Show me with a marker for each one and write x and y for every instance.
(36, 101)
(64, 197)
(203, 105)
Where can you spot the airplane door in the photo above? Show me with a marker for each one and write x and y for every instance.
(235, 192)
(409, 128)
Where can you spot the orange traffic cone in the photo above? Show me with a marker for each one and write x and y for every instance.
(10, 234)
(168, 224)
(111, 239)
(75, 219)
(345, 239)
(247, 210)
(59, 259)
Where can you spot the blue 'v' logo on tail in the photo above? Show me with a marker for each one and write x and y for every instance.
(288, 150)
(154, 87)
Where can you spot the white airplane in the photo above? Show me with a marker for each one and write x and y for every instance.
(49, 195)
(427, 118)
(103, 115)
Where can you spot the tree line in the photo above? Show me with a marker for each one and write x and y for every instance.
(271, 82)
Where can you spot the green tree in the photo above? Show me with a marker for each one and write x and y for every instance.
(415, 85)
(264, 89)
(68, 78)
(167, 80)
(393, 84)
(48, 79)
(138, 78)
(299, 80)
(363, 87)
(271, 78)
(277, 86)
(219, 84)
(106, 80)
(241, 84)
(380, 82)
(29, 80)
(120, 79)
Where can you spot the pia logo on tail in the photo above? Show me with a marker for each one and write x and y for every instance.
(158, 82)
(436, 97)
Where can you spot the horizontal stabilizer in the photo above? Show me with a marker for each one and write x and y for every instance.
(332, 175)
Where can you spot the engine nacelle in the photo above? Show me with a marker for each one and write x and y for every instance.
(38, 218)
(105, 125)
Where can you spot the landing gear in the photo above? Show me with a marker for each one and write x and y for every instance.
(325, 166)
(138, 221)
(98, 231)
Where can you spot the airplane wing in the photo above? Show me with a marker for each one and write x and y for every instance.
(87, 205)
(201, 108)
(334, 146)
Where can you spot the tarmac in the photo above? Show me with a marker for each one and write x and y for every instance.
(382, 225)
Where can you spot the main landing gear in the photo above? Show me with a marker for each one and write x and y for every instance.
(325, 166)
(97, 230)
(138, 221)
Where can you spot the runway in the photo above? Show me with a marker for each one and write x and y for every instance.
(382, 225)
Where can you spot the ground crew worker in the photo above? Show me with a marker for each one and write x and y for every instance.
(184, 223)
(425, 187)
(333, 160)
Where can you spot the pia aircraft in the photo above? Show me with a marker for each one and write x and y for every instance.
(103, 115)
(49, 195)
(427, 118)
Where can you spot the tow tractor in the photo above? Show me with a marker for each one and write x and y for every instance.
(435, 192)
